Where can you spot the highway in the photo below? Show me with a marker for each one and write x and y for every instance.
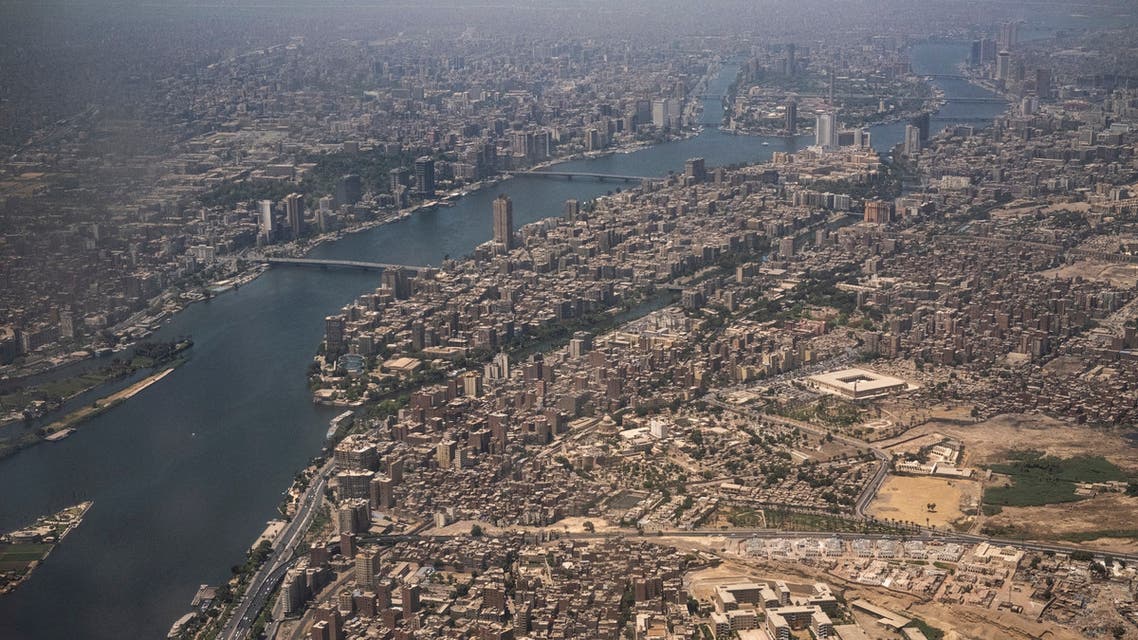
(745, 533)
(542, 173)
(868, 493)
(352, 264)
(269, 575)
(924, 534)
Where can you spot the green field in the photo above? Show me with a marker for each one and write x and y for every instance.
(1039, 480)
(56, 390)
(792, 521)
(742, 517)
(22, 553)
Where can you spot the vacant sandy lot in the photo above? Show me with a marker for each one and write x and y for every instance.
(1122, 275)
(1112, 512)
(903, 414)
(991, 441)
(916, 443)
(906, 498)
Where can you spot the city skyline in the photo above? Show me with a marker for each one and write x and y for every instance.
(567, 319)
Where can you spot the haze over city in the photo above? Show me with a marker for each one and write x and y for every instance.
(503, 320)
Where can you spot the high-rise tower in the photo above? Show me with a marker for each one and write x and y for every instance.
(504, 222)
(265, 219)
(425, 176)
(826, 130)
(294, 210)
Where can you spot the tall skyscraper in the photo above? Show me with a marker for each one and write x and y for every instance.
(1043, 83)
(976, 56)
(572, 209)
(425, 176)
(504, 222)
(922, 122)
(791, 65)
(593, 139)
(660, 109)
(696, 169)
(324, 213)
(349, 189)
(1009, 35)
(265, 218)
(1003, 66)
(912, 140)
(397, 282)
(294, 211)
(987, 50)
(399, 178)
(878, 212)
(826, 130)
(367, 565)
(542, 145)
(791, 117)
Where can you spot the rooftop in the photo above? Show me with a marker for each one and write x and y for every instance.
(857, 383)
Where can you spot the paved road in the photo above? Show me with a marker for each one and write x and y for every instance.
(883, 458)
(266, 579)
(925, 535)
(869, 492)
(743, 533)
(960, 538)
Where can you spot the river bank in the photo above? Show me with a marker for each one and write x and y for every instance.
(62, 428)
(173, 303)
(22, 551)
(66, 425)
(239, 412)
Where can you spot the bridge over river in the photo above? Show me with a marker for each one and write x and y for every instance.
(341, 264)
(595, 176)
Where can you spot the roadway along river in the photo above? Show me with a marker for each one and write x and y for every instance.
(186, 474)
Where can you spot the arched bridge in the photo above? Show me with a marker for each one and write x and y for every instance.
(964, 120)
(977, 100)
(871, 96)
(584, 174)
(342, 264)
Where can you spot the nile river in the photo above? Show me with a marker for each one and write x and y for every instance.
(186, 474)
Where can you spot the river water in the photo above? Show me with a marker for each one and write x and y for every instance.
(186, 474)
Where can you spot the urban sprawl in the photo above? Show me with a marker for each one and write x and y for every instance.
(840, 394)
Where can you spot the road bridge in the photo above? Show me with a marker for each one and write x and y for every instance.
(342, 264)
(968, 120)
(585, 174)
(977, 100)
(870, 96)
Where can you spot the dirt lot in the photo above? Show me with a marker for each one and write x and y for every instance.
(990, 441)
(1104, 513)
(902, 413)
(905, 498)
(916, 442)
(1121, 275)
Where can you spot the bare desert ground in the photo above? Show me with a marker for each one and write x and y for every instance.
(907, 498)
(990, 441)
